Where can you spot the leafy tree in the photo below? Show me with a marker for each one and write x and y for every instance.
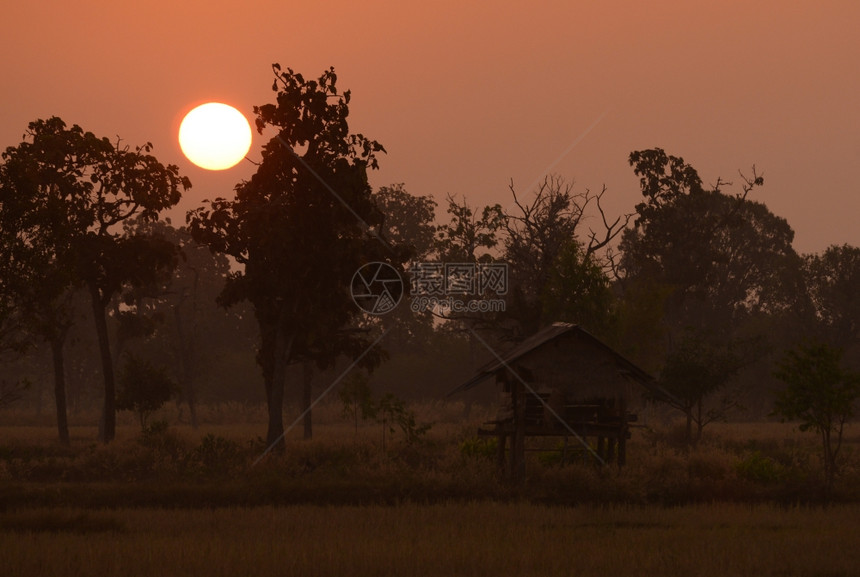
(64, 193)
(466, 233)
(663, 178)
(175, 317)
(578, 291)
(392, 414)
(35, 279)
(15, 339)
(136, 316)
(821, 395)
(721, 264)
(143, 388)
(638, 328)
(299, 229)
(357, 399)
(694, 371)
(469, 237)
(407, 219)
(408, 222)
(724, 256)
(111, 260)
(833, 283)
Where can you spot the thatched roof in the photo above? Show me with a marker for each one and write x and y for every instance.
(551, 334)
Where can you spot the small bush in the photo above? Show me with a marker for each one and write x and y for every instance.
(479, 447)
(160, 438)
(391, 411)
(760, 469)
(216, 455)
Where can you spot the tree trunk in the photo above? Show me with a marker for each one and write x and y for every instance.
(307, 398)
(186, 362)
(38, 396)
(275, 388)
(109, 414)
(688, 431)
(518, 439)
(699, 425)
(60, 387)
(473, 369)
(829, 469)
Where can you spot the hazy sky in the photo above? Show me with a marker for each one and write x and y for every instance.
(466, 96)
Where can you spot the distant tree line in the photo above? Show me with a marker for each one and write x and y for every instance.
(700, 285)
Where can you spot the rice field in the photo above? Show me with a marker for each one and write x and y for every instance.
(191, 502)
(474, 539)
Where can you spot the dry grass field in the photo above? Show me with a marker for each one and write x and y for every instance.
(179, 501)
(470, 539)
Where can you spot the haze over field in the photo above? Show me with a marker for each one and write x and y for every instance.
(467, 96)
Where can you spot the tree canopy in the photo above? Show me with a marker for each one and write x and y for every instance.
(833, 285)
(723, 256)
(65, 194)
(718, 262)
(821, 394)
(299, 228)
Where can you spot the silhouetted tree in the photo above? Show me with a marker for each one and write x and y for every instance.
(833, 282)
(13, 344)
(819, 393)
(546, 245)
(37, 278)
(578, 291)
(174, 319)
(73, 191)
(468, 237)
(143, 388)
(299, 228)
(722, 264)
(357, 399)
(408, 222)
(695, 371)
(724, 256)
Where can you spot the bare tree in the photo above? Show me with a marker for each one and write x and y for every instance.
(538, 233)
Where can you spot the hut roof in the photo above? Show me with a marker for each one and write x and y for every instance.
(552, 333)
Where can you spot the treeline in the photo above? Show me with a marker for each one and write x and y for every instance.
(700, 285)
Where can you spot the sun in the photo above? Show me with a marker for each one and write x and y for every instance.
(215, 136)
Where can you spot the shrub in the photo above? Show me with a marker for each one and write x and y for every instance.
(391, 412)
(760, 469)
(143, 388)
(479, 447)
(216, 455)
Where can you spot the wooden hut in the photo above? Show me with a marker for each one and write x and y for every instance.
(563, 382)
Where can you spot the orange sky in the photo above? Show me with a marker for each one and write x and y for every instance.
(467, 96)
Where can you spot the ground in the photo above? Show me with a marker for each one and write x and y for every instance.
(178, 501)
